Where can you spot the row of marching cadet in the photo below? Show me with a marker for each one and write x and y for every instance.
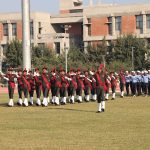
(95, 84)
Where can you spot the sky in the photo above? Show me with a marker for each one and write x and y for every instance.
(51, 6)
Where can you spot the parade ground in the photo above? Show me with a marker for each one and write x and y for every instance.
(125, 125)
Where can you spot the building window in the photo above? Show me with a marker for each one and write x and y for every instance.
(40, 28)
(148, 21)
(5, 29)
(89, 26)
(139, 22)
(118, 23)
(110, 25)
(57, 47)
(31, 30)
(14, 29)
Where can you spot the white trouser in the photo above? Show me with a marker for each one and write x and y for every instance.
(11, 103)
(25, 102)
(45, 102)
(20, 101)
(38, 102)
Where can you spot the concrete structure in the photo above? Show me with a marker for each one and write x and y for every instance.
(89, 24)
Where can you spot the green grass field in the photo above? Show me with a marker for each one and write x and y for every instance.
(124, 126)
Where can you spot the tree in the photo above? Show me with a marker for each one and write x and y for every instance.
(14, 53)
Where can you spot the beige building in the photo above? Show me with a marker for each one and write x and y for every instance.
(78, 25)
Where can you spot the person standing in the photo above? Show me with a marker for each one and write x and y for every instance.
(10, 77)
(122, 83)
(134, 83)
(80, 85)
(20, 86)
(100, 88)
(145, 81)
(113, 84)
(26, 87)
(127, 80)
(45, 86)
(38, 86)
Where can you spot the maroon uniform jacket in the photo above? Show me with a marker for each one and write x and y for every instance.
(46, 81)
(87, 83)
(80, 83)
(11, 81)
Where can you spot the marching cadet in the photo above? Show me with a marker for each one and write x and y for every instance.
(100, 88)
(139, 80)
(72, 86)
(26, 87)
(122, 83)
(127, 80)
(146, 80)
(108, 83)
(20, 86)
(87, 84)
(80, 85)
(93, 91)
(32, 85)
(134, 83)
(10, 77)
(113, 84)
(38, 86)
(53, 78)
(45, 86)
(64, 86)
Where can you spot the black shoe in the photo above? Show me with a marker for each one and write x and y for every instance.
(103, 110)
(98, 112)
(113, 99)
(19, 104)
(30, 104)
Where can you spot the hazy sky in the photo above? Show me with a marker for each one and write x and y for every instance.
(51, 6)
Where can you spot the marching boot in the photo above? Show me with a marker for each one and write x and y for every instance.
(31, 101)
(25, 103)
(45, 102)
(19, 103)
(72, 100)
(57, 101)
(80, 99)
(103, 106)
(99, 108)
(11, 103)
(53, 100)
(64, 100)
(113, 96)
(122, 94)
(94, 97)
(38, 102)
(106, 97)
(87, 98)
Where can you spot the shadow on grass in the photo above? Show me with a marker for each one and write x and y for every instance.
(69, 109)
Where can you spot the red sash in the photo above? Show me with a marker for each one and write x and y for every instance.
(12, 84)
(26, 83)
(101, 83)
(46, 81)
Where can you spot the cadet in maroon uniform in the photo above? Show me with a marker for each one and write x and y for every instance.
(64, 86)
(93, 91)
(100, 88)
(80, 85)
(87, 84)
(10, 77)
(26, 87)
(32, 85)
(53, 79)
(113, 84)
(72, 86)
(108, 83)
(20, 87)
(38, 86)
(45, 86)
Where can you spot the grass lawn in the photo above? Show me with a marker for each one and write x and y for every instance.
(124, 126)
